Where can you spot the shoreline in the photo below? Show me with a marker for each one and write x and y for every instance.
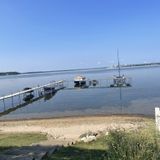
(67, 130)
(79, 116)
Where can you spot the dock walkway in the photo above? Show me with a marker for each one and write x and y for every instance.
(16, 100)
(58, 83)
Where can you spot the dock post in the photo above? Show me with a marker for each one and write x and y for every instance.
(4, 104)
(67, 83)
(39, 92)
(36, 94)
(12, 102)
(19, 99)
(100, 82)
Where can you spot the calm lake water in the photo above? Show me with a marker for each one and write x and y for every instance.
(141, 98)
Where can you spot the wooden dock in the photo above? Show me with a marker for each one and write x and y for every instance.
(58, 83)
(37, 91)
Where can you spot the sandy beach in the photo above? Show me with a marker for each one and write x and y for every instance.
(67, 130)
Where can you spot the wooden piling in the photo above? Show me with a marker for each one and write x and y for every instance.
(12, 102)
(4, 104)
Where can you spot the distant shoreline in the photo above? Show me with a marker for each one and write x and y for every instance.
(128, 66)
(9, 73)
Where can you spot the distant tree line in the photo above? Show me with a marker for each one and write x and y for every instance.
(141, 65)
(84, 69)
(8, 73)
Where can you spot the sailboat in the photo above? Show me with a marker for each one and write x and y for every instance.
(120, 80)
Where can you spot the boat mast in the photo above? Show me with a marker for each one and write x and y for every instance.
(119, 69)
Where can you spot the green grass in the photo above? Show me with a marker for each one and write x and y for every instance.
(9, 140)
(142, 144)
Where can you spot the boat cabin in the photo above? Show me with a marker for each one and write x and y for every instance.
(80, 81)
(49, 90)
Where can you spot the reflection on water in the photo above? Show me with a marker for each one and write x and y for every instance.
(141, 98)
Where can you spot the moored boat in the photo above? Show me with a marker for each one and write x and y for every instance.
(94, 82)
(49, 90)
(28, 95)
(80, 81)
(120, 81)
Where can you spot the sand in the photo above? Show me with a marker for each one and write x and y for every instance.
(67, 130)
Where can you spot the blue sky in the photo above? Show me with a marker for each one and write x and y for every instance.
(63, 34)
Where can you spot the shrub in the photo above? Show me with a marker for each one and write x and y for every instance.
(133, 145)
